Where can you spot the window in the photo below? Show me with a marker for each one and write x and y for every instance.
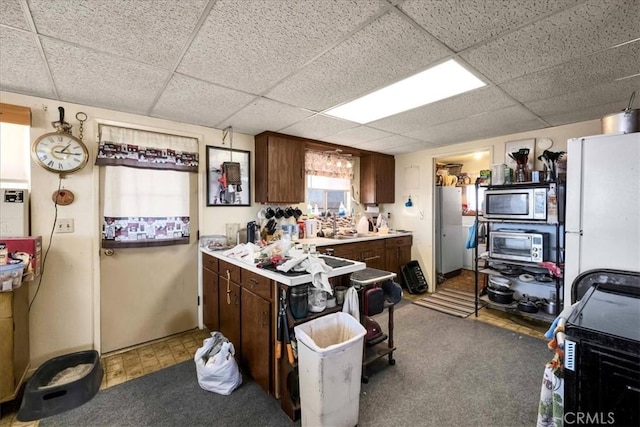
(472, 204)
(327, 193)
(15, 168)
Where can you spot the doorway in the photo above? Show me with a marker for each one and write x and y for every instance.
(455, 204)
(148, 293)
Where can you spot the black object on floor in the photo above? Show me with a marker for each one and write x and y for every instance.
(413, 278)
(41, 401)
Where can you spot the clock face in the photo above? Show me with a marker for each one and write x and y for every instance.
(59, 152)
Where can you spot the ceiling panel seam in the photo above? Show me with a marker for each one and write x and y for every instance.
(384, 9)
(519, 27)
(185, 47)
(34, 34)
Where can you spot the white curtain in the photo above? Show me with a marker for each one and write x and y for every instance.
(148, 206)
(134, 192)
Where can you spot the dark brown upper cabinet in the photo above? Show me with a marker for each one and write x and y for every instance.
(377, 179)
(279, 168)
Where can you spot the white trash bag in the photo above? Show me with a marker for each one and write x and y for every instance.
(216, 366)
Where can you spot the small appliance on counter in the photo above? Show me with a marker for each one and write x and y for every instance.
(528, 202)
(519, 245)
(253, 232)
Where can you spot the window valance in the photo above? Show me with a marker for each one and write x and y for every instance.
(147, 150)
(330, 164)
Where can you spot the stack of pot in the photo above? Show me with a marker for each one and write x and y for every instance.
(499, 289)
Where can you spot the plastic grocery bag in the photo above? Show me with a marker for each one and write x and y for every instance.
(217, 372)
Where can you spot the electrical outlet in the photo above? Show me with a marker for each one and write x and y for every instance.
(64, 226)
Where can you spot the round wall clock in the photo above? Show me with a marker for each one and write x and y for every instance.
(60, 152)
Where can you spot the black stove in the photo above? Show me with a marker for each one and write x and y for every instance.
(602, 349)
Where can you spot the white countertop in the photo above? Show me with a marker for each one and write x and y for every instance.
(327, 241)
(281, 278)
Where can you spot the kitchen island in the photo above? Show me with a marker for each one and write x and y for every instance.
(241, 300)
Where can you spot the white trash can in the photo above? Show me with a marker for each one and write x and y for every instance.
(330, 367)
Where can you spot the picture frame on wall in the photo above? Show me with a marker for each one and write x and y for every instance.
(228, 177)
(514, 146)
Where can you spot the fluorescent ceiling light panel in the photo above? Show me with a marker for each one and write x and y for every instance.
(442, 81)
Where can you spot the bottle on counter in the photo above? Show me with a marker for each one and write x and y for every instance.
(363, 225)
(342, 211)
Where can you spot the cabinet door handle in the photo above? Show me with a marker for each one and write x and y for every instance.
(253, 282)
(228, 287)
(264, 319)
(371, 258)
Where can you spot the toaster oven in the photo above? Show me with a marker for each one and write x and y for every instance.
(519, 245)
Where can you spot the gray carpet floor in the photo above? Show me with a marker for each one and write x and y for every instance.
(449, 371)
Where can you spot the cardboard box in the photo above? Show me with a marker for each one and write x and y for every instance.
(26, 249)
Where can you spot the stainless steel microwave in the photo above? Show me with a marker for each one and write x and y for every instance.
(519, 245)
(523, 203)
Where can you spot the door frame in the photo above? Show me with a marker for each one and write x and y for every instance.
(201, 183)
(437, 159)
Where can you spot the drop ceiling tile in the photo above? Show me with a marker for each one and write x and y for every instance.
(502, 122)
(11, 14)
(581, 73)
(409, 148)
(194, 101)
(105, 81)
(617, 91)
(392, 141)
(387, 50)
(22, 68)
(262, 115)
(470, 103)
(318, 127)
(578, 31)
(462, 23)
(580, 114)
(357, 135)
(252, 44)
(153, 32)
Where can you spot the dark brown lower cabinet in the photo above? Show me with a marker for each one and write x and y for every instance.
(210, 299)
(398, 253)
(229, 304)
(256, 338)
(373, 254)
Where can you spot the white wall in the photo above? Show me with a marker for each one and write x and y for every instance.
(420, 217)
(65, 316)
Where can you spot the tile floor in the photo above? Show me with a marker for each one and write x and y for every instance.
(466, 282)
(141, 360)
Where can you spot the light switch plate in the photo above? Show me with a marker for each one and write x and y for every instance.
(64, 226)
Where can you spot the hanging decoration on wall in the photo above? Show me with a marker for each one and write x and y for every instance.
(63, 197)
(412, 178)
(228, 182)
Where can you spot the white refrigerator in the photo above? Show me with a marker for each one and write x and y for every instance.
(602, 228)
(449, 244)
